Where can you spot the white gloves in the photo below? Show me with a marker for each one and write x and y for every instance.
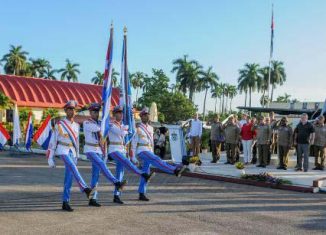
(51, 162)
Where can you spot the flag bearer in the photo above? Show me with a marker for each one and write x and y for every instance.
(117, 151)
(65, 143)
(142, 146)
(95, 152)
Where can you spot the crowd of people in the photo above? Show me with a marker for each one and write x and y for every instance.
(260, 137)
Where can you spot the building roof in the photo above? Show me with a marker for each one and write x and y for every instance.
(43, 93)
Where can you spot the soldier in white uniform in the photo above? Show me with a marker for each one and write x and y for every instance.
(117, 151)
(142, 146)
(65, 143)
(95, 152)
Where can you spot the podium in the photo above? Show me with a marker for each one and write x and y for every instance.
(177, 143)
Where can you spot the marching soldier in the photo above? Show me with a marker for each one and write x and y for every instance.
(284, 142)
(117, 152)
(65, 143)
(263, 136)
(320, 143)
(232, 137)
(142, 146)
(95, 152)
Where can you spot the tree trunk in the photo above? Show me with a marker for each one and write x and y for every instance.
(137, 95)
(263, 98)
(272, 93)
(220, 105)
(230, 105)
(204, 108)
(250, 97)
(226, 103)
(223, 104)
(215, 103)
(246, 98)
(191, 94)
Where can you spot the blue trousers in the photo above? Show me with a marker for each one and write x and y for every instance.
(98, 165)
(148, 158)
(70, 172)
(123, 162)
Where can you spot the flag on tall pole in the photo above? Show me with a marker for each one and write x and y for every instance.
(271, 54)
(107, 89)
(125, 93)
(17, 132)
(29, 132)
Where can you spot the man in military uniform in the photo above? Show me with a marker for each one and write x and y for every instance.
(95, 152)
(263, 136)
(232, 136)
(320, 143)
(142, 146)
(117, 151)
(216, 138)
(284, 142)
(65, 143)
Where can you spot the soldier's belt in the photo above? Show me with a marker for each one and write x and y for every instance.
(93, 145)
(144, 145)
(65, 144)
(115, 143)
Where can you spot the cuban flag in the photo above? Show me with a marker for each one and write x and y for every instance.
(29, 132)
(4, 136)
(44, 133)
(107, 89)
(125, 93)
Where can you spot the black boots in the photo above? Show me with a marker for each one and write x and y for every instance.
(142, 197)
(120, 185)
(117, 199)
(93, 202)
(66, 207)
(88, 192)
(148, 177)
(178, 172)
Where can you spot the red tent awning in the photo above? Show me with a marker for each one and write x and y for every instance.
(43, 93)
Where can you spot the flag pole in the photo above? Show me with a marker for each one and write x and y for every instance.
(270, 58)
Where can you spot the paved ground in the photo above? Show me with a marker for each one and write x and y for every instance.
(30, 204)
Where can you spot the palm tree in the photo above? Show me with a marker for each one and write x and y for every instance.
(284, 99)
(223, 87)
(137, 82)
(208, 80)
(114, 78)
(188, 74)
(49, 74)
(39, 66)
(15, 60)
(264, 99)
(249, 76)
(217, 94)
(232, 92)
(69, 72)
(4, 101)
(147, 82)
(278, 76)
(262, 83)
(98, 79)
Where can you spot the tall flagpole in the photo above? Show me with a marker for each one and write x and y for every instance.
(270, 57)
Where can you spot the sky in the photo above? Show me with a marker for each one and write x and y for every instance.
(224, 34)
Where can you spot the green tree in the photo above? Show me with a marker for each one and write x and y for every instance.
(284, 99)
(208, 80)
(50, 74)
(232, 92)
(217, 94)
(278, 75)
(114, 77)
(98, 79)
(70, 72)
(248, 77)
(264, 99)
(52, 112)
(39, 67)
(15, 61)
(262, 83)
(4, 101)
(137, 82)
(187, 74)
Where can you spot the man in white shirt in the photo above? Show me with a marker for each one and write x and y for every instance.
(65, 143)
(142, 146)
(195, 133)
(117, 151)
(95, 152)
